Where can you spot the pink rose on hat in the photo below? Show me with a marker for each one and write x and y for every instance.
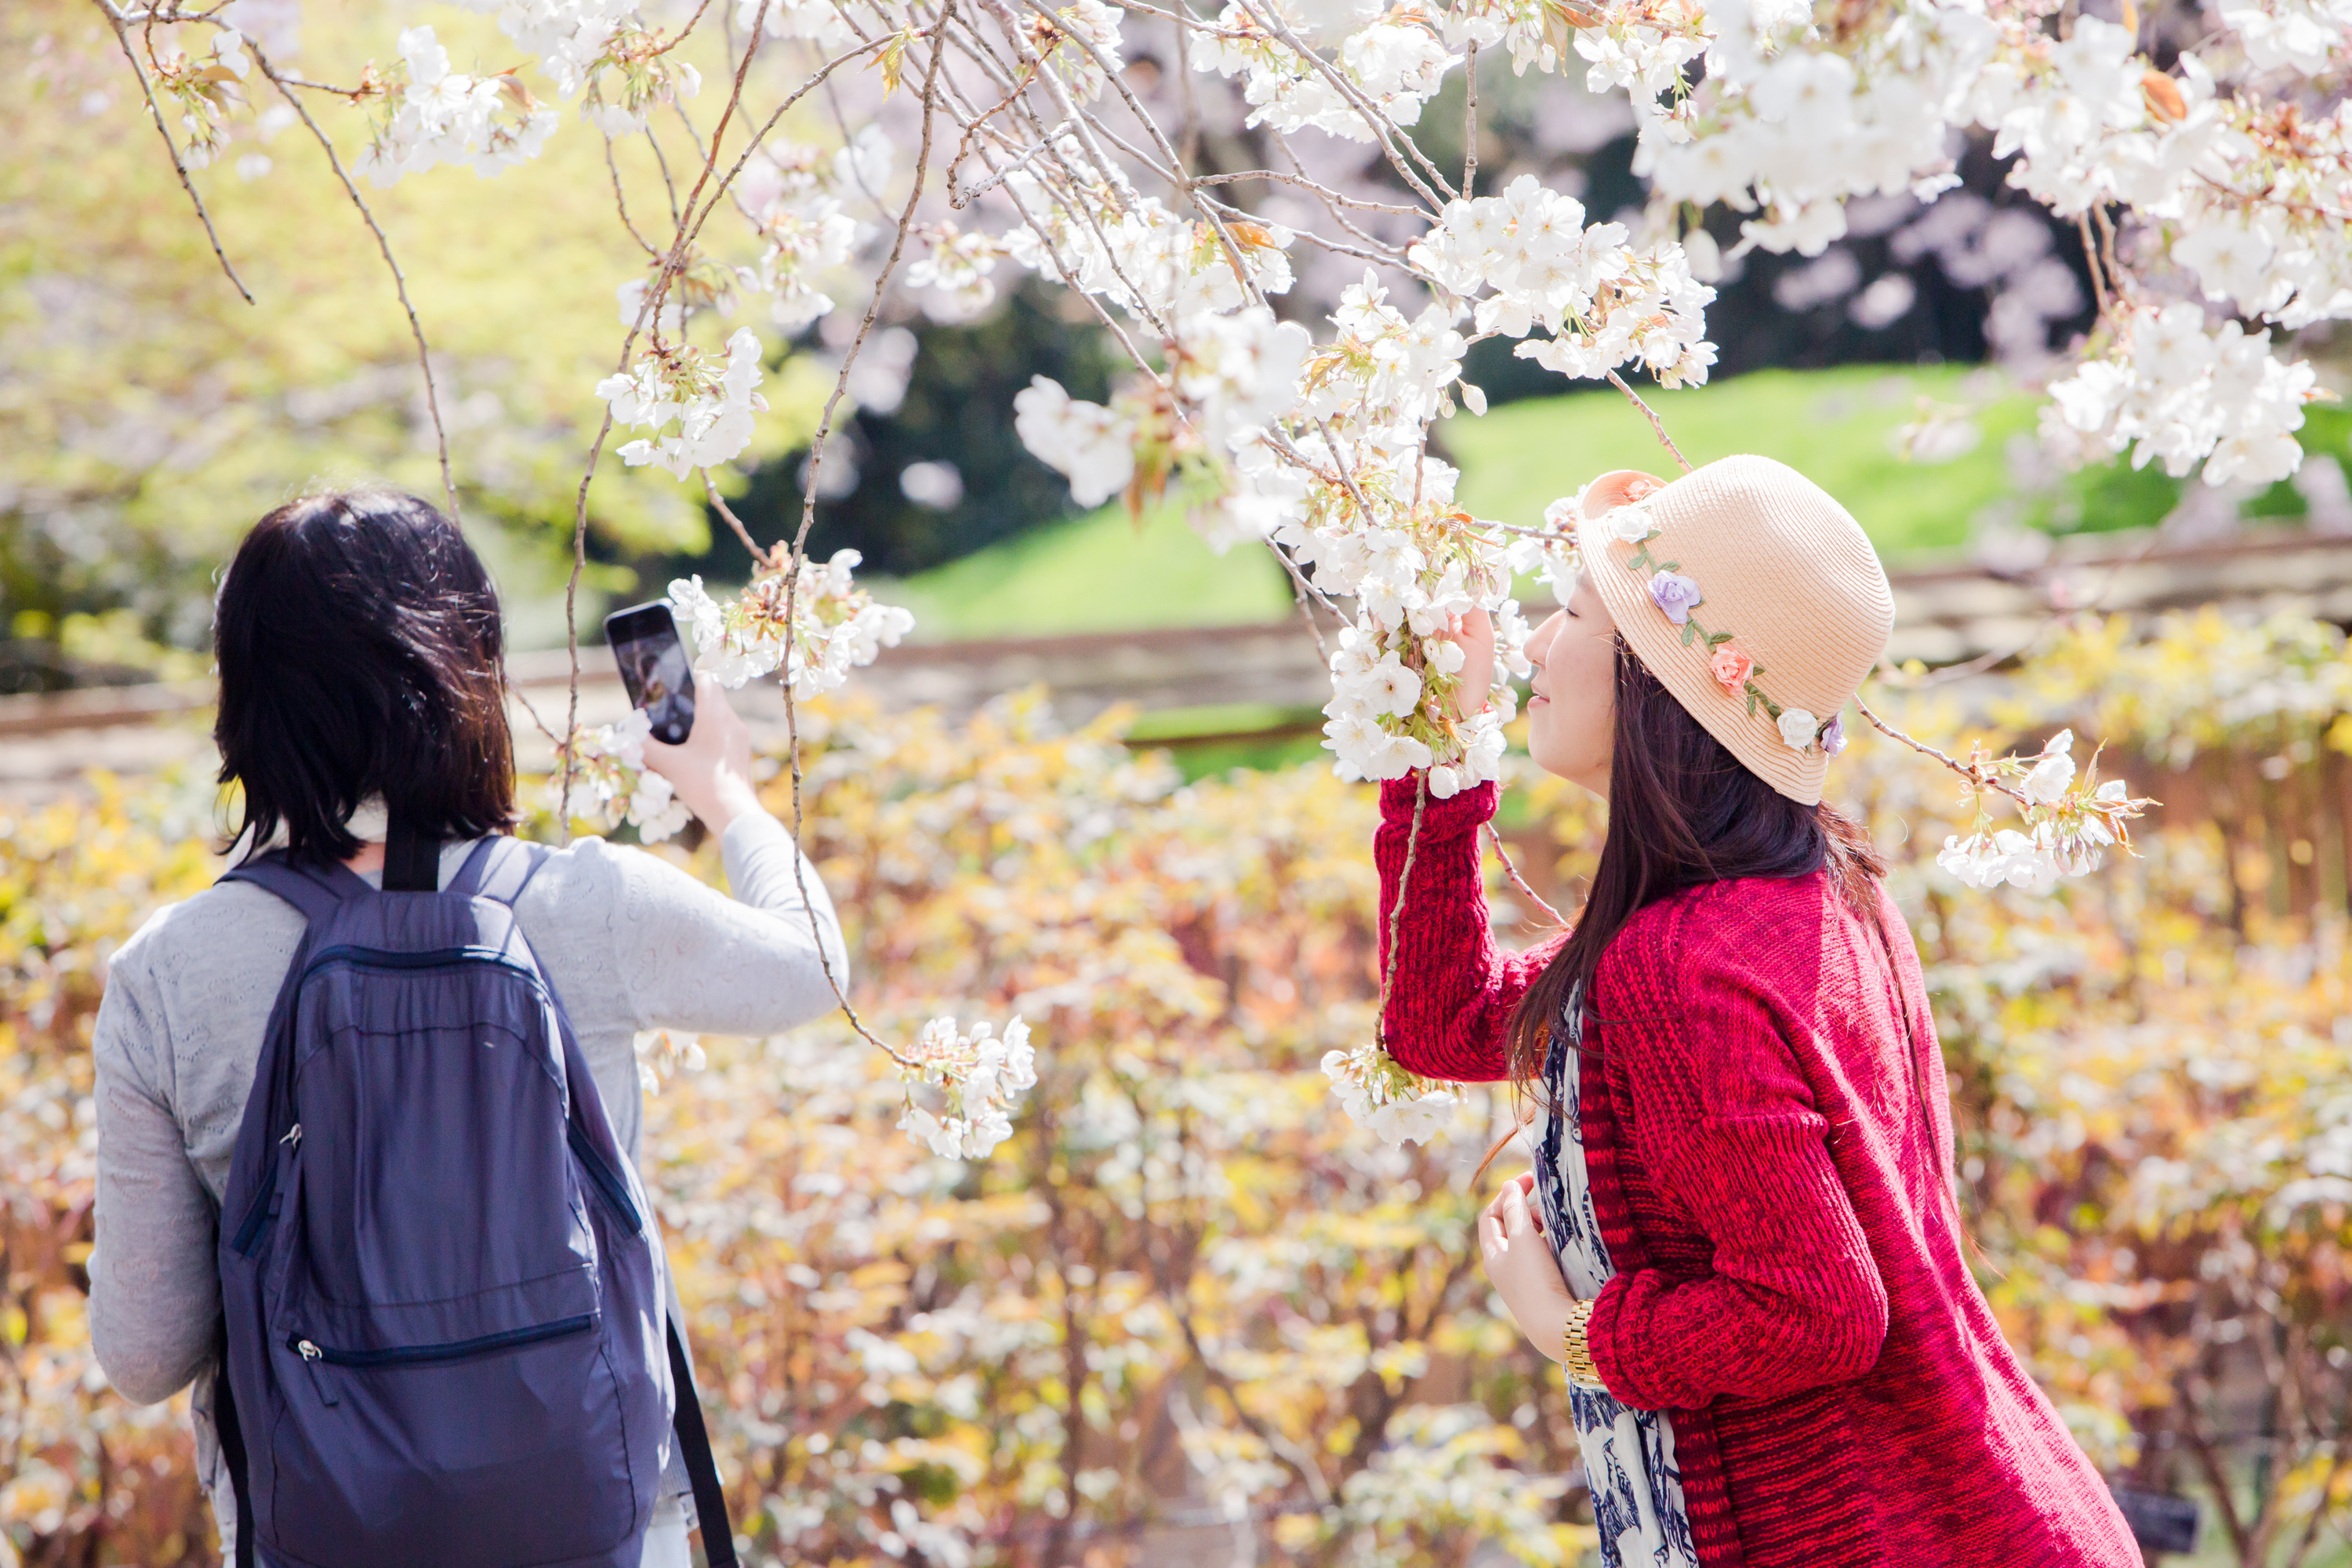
(1731, 667)
(1676, 594)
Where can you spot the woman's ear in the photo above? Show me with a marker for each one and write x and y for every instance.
(1620, 487)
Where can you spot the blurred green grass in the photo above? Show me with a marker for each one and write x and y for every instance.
(1102, 572)
(1837, 427)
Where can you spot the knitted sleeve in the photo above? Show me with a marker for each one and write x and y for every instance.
(1726, 1129)
(1450, 1005)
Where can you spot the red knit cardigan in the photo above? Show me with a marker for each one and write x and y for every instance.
(1768, 1155)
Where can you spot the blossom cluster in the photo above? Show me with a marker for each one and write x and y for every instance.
(2068, 825)
(2171, 390)
(424, 113)
(1396, 64)
(709, 400)
(793, 193)
(206, 92)
(608, 782)
(818, 631)
(981, 1076)
(1603, 303)
(1381, 1097)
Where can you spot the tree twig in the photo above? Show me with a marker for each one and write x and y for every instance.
(798, 553)
(1651, 414)
(1404, 889)
(399, 278)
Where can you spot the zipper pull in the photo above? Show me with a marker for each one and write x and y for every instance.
(312, 1357)
(293, 1139)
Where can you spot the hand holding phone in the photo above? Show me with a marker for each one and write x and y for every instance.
(655, 667)
(712, 771)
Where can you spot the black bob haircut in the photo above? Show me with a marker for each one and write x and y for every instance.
(362, 653)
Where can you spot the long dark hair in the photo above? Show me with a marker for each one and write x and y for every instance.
(361, 653)
(1682, 811)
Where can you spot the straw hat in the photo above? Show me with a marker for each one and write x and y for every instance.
(1752, 595)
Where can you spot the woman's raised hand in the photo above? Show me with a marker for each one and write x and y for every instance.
(1474, 634)
(1521, 1267)
(711, 769)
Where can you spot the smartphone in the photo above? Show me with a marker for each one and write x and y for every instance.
(655, 667)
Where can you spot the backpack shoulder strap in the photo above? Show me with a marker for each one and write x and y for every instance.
(701, 1464)
(316, 890)
(499, 869)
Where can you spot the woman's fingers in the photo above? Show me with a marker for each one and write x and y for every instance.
(1514, 1212)
(1491, 1245)
(1474, 634)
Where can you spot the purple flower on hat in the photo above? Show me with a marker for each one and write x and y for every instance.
(1833, 738)
(1676, 594)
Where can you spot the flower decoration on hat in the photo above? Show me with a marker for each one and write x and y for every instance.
(1677, 594)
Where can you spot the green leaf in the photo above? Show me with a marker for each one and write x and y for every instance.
(1671, 566)
(1717, 639)
(1690, 630)
(1751, 703)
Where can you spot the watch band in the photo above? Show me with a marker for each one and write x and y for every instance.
(1576, 1350)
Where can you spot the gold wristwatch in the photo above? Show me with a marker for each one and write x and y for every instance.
(1575, 1352)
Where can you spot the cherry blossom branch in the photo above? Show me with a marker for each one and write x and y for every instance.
(1283, 141)
(1974, 772)
(1404, 889)
(399, 278)
(1383, 128)
(718, 504)
(1651, 414)
(1511, 869)
(1470, 125)
(155, 113)
(808, 517)
(1192, 24)
(1053, 252)
(621, 204)
(1325, 192)
(682, 33)
(648, 308)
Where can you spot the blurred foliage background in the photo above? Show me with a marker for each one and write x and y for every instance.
(1190, 1312)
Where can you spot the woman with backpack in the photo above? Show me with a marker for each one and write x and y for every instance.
(363, 700)
(1740, 1237)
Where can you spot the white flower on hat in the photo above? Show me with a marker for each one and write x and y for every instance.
(1798, 728)
(1629, 524)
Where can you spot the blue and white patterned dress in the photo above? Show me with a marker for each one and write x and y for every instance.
(1629, 1455)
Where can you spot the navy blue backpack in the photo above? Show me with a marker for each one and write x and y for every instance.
(447, 1339)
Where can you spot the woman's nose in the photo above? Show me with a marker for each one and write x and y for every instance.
(1540, 640)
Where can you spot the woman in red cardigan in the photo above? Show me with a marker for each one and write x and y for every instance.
(1741, 1236)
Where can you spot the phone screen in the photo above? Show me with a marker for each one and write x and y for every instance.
(655, 667)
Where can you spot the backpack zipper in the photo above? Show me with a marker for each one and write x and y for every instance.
(435, 958)
(315, 1353)
(606, 1179)
(265, 1198)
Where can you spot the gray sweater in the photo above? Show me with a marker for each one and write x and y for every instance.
(630, 942)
